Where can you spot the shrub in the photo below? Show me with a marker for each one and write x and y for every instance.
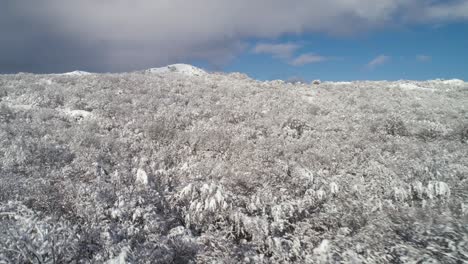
(462, 132)
(25, 238)
(298, 127)
(3, 92)
(395, 126)
(6, 114)
(230, 170)
(431, 131)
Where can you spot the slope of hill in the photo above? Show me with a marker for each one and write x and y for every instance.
(184, 69)
(172, 168)
(77, 73)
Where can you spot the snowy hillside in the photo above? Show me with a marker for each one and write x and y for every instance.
(76, 73)
(184, 69)
(163, 166)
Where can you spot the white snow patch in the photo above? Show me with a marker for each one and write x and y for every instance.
(454, 82)
(322, 251)
(138, 213)
(437, 189)
(309, 98)
(184, 69)
(77, 114)
(320, 194)
(141, 178)
(115, 213)
(121, 258)
(411, 86)
(274, 82)
(76, 73)
(20, 106)
(334, 188)
(238, 76)
(46, 82)
(323, 247)
(339, 83)
(177, 231)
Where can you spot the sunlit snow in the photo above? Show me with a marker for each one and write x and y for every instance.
(185, 69)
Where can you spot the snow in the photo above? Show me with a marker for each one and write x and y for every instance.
(184, 69)
(177, 231)
(77, 114)
(453, 82)
(20, 106)
(121, 258)
(338, 83)
(46, 82)
(74, 114)
(141, 178)
(334, 188)
(430, 85)
(76, 73)
(186, 163)
(437, 189)
(410, 86)
(322, 251)
(274, 83)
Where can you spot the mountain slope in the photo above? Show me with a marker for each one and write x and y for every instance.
(173, 168)
(184, 69)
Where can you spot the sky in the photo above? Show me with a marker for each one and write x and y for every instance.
(266, 39)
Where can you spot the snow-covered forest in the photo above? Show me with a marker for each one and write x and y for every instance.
(176, 165)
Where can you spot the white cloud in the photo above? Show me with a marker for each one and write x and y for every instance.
(307, 58)
(281, 50)
(285, 52)
(379, 60)
(423, 58)
(451, 10)
(144, 33)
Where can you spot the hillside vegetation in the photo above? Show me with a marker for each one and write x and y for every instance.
(167, 167)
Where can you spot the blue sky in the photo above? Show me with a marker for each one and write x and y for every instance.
(420, 53)
(266, 39)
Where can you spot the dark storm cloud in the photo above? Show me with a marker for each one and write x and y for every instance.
(120, 35)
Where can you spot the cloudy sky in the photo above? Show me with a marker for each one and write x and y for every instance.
(267, 39)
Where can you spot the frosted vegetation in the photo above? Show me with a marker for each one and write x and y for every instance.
(163, 166)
